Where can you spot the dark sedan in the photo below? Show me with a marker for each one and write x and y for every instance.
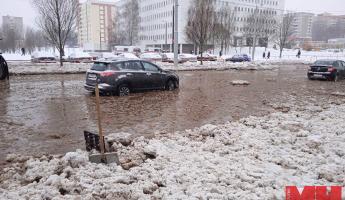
(124, 76)
(239, 58)
(332, 70)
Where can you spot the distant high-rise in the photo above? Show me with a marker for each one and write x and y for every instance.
(302, 25)
(327, 26)
(14, 24)
(95, 25)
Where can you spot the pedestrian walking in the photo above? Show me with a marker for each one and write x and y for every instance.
(23, 51)
(268, 55)
(299, 53)
(264, 55)
(220, 53)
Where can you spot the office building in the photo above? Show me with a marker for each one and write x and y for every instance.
(302, 25)
(156, 27)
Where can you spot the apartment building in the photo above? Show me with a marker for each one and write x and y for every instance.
(156, 27)
(10, 25)
(13, 23)
(95, 25)
(327, 26)
(302, 25)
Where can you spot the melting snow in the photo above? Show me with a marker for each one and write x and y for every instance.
(254, 158)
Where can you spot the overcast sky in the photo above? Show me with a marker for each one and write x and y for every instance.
(22, 8)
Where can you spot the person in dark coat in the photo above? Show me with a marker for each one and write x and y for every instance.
(4, 73)
(268, 55)
(23, 51)
(264, 55)
(299, 53)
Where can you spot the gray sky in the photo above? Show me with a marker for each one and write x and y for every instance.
(22, 8)
(316, 6)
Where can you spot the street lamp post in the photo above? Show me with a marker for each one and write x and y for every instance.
(176, 33)
(166, 34)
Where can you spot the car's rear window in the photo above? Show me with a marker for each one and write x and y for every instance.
(324, 62)
(98, 66)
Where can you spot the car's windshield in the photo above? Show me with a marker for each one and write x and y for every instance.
(99, 66)
(324, 62)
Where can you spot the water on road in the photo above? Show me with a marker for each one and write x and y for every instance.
(48, 113)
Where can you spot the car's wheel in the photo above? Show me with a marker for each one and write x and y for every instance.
(123, 90)
(170, 86)
(2, 72)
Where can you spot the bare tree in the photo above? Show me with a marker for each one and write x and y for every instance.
(57, 19)
(283, 31)
(200, 23)
(30, 42)
(118, 31)
(131, 20)
(259, 25)
(225, 26)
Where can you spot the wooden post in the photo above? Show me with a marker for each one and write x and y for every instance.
(100, 131)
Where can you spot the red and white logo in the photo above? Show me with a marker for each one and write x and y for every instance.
(314, 193)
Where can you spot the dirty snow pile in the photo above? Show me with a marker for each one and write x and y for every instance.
(220, 65)
(27, 68)
(254, 158)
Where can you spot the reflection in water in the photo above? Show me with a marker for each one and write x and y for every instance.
(139, 113)
(4, 93)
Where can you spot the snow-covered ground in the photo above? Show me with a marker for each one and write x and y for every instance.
(16, 57)
(27, 68)
(288, 54)
(253, 158)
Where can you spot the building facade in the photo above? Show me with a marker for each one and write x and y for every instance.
(95, 25)
(327, 26)
(302, 25)
(14, 26)
(156, 19)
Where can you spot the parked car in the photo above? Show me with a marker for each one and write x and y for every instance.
(4, 73)
(207, 57)
(80, 57)
(127, 55)
(151, 56)
(239, 58)
(109, 56)
(189, 57)
(169, 57)
(43, 57)
(124, 76)
(333, 70)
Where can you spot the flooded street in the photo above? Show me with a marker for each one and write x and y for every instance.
(48, 113)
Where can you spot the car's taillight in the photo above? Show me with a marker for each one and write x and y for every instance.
(106, 74)
(331, 69)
